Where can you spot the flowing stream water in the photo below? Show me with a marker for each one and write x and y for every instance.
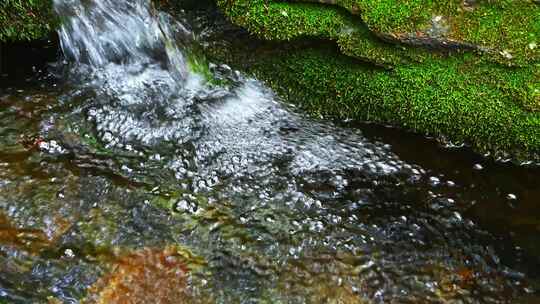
(127, 177)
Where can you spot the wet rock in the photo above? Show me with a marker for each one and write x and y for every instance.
(469, 5)
(32, 240)
(439, 27)
(145, 276)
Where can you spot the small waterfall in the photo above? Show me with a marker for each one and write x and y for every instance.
(131, 56)
(99, 32)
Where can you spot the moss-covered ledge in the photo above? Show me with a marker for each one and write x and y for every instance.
(26, 20)
(507, 30)
(461, 94)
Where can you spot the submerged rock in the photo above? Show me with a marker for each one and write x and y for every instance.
(145, 276)
(32, 240)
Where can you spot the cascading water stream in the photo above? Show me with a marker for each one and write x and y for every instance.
(283, 208)
(102, 32)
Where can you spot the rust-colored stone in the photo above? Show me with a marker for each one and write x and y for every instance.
(144, 276)
(32, 240)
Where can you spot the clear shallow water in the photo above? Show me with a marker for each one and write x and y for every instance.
(126, 162)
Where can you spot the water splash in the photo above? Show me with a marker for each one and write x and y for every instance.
(107, 31)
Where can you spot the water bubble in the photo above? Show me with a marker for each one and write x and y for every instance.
(478, 167)
(68, 253)
(185, 206)
(434, 181)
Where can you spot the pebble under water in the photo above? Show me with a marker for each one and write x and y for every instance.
(125, 177)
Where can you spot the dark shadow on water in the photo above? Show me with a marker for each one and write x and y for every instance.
(22, 62)
(503, 198)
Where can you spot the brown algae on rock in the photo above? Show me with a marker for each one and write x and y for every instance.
(149, 275)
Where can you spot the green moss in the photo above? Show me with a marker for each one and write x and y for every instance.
(198, 64)
(506, 31)
(287, 21)
(435, 97)
(463, 96)
(503, 26)
(26, 19)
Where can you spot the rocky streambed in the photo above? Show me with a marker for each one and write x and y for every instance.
(147, 171)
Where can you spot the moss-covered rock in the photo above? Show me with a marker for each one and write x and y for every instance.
(508, 29)
(149, 275)
(504, 31)
(464, 92)
(436, 97)
(26, 19)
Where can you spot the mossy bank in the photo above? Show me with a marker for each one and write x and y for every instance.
(399, 70)
(26, 20)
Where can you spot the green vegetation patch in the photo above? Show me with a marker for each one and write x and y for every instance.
(287, 21)
(435, 97)
(26, 19)
(460, 99)
(507, 29)
(462, 95)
